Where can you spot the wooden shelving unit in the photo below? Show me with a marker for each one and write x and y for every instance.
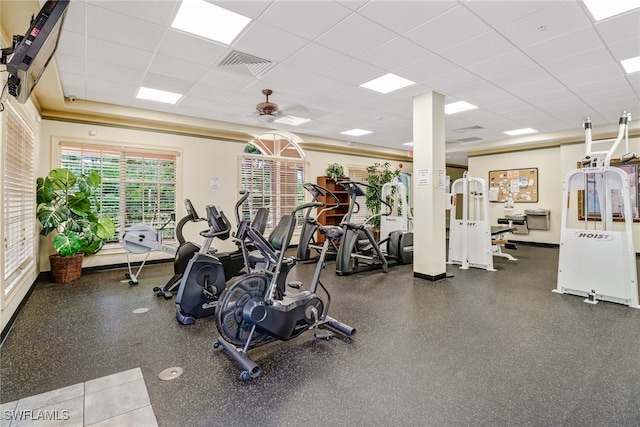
(334, 216)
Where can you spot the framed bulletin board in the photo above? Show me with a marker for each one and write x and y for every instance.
(519, 184)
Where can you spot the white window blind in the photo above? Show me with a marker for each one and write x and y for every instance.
(137, 186)
(19, 197)
(274, 183)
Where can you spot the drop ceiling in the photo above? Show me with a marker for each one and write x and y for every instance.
(526, 64)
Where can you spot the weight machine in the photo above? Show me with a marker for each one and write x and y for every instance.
(473, 242)
(599, 263)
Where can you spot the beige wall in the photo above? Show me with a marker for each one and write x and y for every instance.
(553, 165)
(200, 159)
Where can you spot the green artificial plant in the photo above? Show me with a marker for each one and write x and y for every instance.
(335, 171)
(378, 174)
(68, 204)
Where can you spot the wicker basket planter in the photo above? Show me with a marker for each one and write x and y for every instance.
(66, 268)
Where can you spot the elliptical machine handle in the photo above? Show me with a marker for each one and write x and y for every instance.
(245, 196)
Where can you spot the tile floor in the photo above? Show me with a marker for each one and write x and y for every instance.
(116, 400)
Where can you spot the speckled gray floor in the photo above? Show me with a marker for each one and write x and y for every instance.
(481, 348)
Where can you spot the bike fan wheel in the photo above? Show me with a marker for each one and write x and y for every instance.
(229, 321)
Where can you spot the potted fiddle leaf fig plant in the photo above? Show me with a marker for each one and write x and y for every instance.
(67, 204)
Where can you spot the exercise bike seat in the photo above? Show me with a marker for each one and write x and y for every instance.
(275, 240)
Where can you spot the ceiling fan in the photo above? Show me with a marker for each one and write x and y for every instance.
(267, 110)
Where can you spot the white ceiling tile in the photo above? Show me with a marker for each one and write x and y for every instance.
(74, 84)
(395, 54)
(168, 84)
(535, 88)
(355, 72)
(175, 67)
(75, 20)
(582, 40)
(161, 12)
(497, 13)
(504, 64)
(265, 41)
(600, 90)
(317, 58)
(72, 43)
(193, 49)
(307, 19)
(213, 94)
(114, 73)
(604, 73)
(620, 27)
(324, 85)
(564, 17)
(249, 8)
(71, 64)
(355, 35)
(105, 51)
(629, 48)
(122, 29)
(426, 69)
(453, 80)
(576, 63)
(506, 108)
(447, 30)
(402, 15)
(352, 4)
(289, 76)
(110, 92)
(482, 48)
(483, 94)
(518, 78)
(227, 80)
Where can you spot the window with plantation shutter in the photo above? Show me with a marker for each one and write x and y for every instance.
(137, 186)
(273, 170)
(19, 189)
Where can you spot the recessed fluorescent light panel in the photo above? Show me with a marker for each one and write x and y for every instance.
(387, 83)
(408, 144)
(603, 9)
(631, 65)
(158, 95)
(292, 120)
(457, 107)
(210, 21)
(517, 132)
(356, 132)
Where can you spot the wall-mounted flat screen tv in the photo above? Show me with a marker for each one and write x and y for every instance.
(33, 53)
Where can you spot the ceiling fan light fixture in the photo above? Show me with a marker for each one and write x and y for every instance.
(267, 118)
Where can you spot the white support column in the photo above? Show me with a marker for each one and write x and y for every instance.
(429, 171)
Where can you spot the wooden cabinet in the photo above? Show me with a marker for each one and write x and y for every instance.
(333, 216)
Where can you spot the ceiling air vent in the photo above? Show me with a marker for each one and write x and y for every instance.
(471, 139)
(246, 64)
(469, 129)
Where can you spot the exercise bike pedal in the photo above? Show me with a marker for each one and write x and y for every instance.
(295, 284)
(323, 334)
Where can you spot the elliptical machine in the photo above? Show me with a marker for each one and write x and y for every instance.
(307, 241)
(256, 309)
(359, 251)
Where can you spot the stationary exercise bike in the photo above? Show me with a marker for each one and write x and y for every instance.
(256, 309)
(206, 272)
(359, 250)
(232, 262)
(307, 241)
